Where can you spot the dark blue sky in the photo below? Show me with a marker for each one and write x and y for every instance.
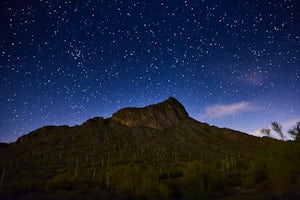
(231, 63)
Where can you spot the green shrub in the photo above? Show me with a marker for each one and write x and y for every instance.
(126, 178)
(152, 189)
(60, 181)
(259, 171)
(170, 173)
(280, 175)
(198, 181)
(21, 187)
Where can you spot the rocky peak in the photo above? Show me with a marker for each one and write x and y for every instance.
(160, 116)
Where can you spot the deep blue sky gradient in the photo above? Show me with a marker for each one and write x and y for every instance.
(231, 63)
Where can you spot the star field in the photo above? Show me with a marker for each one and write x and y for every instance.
(231, 63)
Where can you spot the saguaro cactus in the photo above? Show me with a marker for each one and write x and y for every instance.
(3, 175)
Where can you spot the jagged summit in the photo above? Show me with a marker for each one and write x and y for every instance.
(159, 116)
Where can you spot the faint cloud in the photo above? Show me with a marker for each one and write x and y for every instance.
(256, 133)
(290, 123)
(286, 125)
(221, 110)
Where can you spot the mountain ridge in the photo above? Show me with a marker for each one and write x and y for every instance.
(160, 116)
(160, 154)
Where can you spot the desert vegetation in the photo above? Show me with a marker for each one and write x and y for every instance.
(277, 128)
(182, 159)
(118, 162)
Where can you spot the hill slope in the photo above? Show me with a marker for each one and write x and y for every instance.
(153, 152)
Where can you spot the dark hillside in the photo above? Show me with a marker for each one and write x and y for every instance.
(154, 152)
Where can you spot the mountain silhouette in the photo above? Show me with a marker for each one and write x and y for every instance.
(153, 152)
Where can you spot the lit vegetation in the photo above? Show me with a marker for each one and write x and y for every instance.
(112, 161)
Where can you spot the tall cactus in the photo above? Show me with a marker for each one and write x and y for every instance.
(3, 174)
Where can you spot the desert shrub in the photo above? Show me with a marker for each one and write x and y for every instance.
(170, 173)
(60, 181)
(14, 188)
(280, 176)
(197, 191)
(198, 181)
(125, 178)
(152, 189)
(99, 178)
(139, 182)
(258, 171)
(234, 178)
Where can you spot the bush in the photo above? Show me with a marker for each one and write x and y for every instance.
(281, 176)
(125, 178)
(21, 187)
(257, 173)
(198, 181)
(61, 181)
(152, 189)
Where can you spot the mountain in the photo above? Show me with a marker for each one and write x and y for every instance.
(155, 152)
(161, 116)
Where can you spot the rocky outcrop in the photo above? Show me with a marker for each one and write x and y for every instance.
(160, 116)
(40, 132)
(96, 121)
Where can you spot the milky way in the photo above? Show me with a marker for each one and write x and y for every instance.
(231, 63)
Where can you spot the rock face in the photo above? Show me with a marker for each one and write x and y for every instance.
(96, 121)
(160, 116)
(40, 132)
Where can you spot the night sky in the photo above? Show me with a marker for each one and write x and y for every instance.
(231, 63)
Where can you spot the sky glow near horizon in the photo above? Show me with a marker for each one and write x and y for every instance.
(232, 64)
